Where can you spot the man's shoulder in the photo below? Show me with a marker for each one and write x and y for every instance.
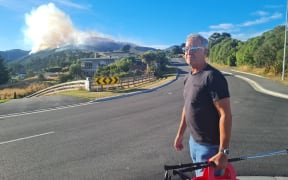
(214, 74)
(212, 69)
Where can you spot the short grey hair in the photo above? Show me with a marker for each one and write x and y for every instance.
(204, 41)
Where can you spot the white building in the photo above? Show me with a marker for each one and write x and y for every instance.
(90, 65)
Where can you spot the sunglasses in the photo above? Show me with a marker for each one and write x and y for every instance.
(192, 49)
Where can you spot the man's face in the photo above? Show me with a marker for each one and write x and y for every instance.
(194, 53)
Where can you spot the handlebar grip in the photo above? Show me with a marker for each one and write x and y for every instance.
(236, 159)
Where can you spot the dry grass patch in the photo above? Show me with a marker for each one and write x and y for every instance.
(257, 71)
(261, 72)
(22, 91)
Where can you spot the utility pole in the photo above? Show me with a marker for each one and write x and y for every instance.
(284, 55)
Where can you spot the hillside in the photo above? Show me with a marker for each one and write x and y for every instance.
(13, 54)
(91, 45)
(66, 55)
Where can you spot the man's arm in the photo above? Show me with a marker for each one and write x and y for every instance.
(225, 126)
(178, 142)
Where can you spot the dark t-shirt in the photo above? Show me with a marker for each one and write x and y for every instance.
(200, 91)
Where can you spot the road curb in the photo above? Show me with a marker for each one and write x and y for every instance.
(258, 87)
(134, 93)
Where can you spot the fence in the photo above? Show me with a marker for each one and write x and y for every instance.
(61, 87)
(134, 81)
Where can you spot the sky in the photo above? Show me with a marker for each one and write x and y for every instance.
(38, 24)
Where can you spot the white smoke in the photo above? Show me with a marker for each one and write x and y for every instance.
(49, 27)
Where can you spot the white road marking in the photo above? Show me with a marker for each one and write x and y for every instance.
(249, 74)
(258, 87)
(28, 137)
(43, 110)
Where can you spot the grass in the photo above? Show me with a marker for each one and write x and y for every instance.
(3, 100)
(21, 91)
(261, 72)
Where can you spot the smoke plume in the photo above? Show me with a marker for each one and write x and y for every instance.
(49, 27)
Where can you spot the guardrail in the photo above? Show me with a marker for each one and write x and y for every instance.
(88, 85)
(60, 87)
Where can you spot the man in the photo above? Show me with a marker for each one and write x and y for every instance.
(206, 111)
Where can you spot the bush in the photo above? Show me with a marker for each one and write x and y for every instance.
(65, 77)
(41, 77)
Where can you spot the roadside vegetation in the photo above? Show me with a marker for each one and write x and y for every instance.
(261, 55)
(164, 73)
(150, 61)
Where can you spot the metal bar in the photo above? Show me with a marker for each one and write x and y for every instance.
(169, 167)
(284, 55)
(200, 165)
(274, 153)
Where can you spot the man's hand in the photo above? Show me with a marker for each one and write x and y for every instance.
(220, 160)
(178, 145)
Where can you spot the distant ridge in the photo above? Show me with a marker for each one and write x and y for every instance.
(22, 61)
(13, 54)
(95, 44)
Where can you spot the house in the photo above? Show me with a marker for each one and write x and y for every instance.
(51, 74)
(90, 65)
(21, 75)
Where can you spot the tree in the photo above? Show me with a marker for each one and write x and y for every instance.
(216, 38)
(124, 64)
(161, 62)
(126, 48)
(224, 52)
(4, 73)
(148, 57)
(247, 53)
(213, 39)
(29, 73)
(16, 68)
(122, 67)
(267, 54)
(155, 61)
(75, 70)
(41, 77)
(176, 50)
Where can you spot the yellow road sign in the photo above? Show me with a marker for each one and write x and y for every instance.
(106, 80)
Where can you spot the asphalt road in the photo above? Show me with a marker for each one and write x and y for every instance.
(132, 137)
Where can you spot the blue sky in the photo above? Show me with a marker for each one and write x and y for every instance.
(151, 23)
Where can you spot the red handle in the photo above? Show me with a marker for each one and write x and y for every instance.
(208, 174)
